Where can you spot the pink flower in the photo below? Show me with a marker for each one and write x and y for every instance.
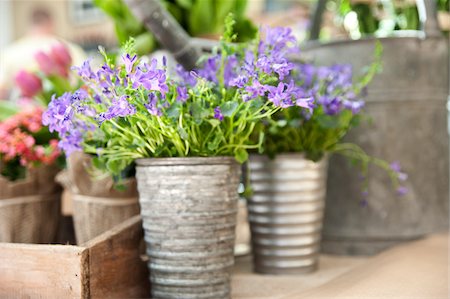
(46, 63)
(29, 84)
(61, 55)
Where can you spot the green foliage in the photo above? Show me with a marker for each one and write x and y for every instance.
(402, 14)
(7, 109)
(197, 17)
(290, 131)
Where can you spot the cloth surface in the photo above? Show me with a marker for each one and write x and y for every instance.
(415, 270)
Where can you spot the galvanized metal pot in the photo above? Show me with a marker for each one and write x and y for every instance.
(286, 212)
(188, 208)
(407, 102)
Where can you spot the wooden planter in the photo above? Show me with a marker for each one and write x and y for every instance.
(108, 266)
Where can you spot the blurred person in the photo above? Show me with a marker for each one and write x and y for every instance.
(26, 52)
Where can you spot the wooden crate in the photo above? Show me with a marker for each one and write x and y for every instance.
(109, 266)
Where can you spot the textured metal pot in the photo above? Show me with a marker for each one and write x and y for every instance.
(286, 212)
(407, 104)
(188, 207)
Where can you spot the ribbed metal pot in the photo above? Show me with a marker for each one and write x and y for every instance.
(188, 208)
(286, 212)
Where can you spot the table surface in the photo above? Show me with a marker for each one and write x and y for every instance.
(248, 285)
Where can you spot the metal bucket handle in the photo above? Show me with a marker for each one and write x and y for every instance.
(427, 17)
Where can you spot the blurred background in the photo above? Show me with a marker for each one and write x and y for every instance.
(90, 23)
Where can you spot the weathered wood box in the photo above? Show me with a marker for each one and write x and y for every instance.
(109, 266)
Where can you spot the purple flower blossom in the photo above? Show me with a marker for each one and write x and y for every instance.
(396, 167)
(230, 69)
(151, 106)
(401, 191)
(209, 70)
(218, 113)
(129, 62)
(239, 81)
(182, 93)
(84, 71)
(256, 89)
(280, 96)
(120, 107)
(58, 114)
(354, 106)
(152, 79)
(363, 203)
(282, 68)
(185, 78)
(71, 142)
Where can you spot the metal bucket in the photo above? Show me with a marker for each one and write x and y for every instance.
(286, 212)
(407, 103)
(188, 208)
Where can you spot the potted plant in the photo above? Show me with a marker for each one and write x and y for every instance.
(29, 196)
(288, 183)
(186, 135)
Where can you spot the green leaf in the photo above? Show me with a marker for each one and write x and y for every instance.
(241, 155)
(183, 134)
(187, 4)
(341, 120)
(198, 112)
(214, 122)
(7, 109)
(201, 17)
(174, 110)
(213, 145)
(116, 166)
(228, 108)
(328, 121)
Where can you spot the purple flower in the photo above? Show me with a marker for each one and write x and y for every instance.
(84, 71)
(396, 167)
(401, 191)
(152, 105)
(209, 69)
(239, 81)
(307, 103)
(151, 78)
(129, 62)
(354, 106)
(218, 113)
(182, 94)
(230, 69)
(282, 68)
(71, 142)
(97, 99)
(331, 105)
(59, 114)
(119, 108)
(185, 77)
(255, 89)
(279, 97)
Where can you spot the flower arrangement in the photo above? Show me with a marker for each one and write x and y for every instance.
(137, 109)
(52, 76)
(26, 143)
(336, 101)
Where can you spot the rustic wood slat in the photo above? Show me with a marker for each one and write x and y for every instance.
(116, 269)
(108, 266)
(43, 271)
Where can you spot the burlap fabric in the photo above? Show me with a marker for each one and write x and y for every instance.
(97, 204)
(30, 207)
